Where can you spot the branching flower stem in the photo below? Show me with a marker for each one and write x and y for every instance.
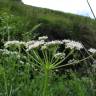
(75, 62)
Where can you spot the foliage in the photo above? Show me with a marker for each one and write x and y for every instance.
(33, 67)
(40, 67)
(64, 25)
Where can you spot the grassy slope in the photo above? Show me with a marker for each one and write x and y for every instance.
(56, 25)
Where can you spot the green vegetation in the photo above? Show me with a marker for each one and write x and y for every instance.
(62, 24)
(32, 66)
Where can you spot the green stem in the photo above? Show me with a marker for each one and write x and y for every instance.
(8, 33)
(74, 63)
(5, 84)
(45, 83)
(19, 47)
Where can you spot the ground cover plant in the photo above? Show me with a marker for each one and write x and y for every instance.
(34, 68)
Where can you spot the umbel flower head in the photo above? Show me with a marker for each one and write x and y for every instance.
(30, 43)
(73, 44)
(43, 38)
(9, 53)
(72, 61)
(51, 43)
(66, 41)
(34, 45)
(59, 55)
(14, 43)
(8, 43)
(92, 50)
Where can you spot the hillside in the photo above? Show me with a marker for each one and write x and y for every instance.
(56, 25)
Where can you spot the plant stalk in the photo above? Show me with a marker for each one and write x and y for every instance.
(45, 90)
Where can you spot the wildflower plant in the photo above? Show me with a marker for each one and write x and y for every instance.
(45, 61)
(43, 57)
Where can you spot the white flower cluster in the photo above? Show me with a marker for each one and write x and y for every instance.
(92, 50)
(73, 44)
(43, 44)
(22, 43)
(72, 61)
(66, 41)
(8, 43)
(51, 43)
(59, 55)
(35, 44)
(16, 43)
(7, 52)
(3, 50)
(30, 43)
(43, 38)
